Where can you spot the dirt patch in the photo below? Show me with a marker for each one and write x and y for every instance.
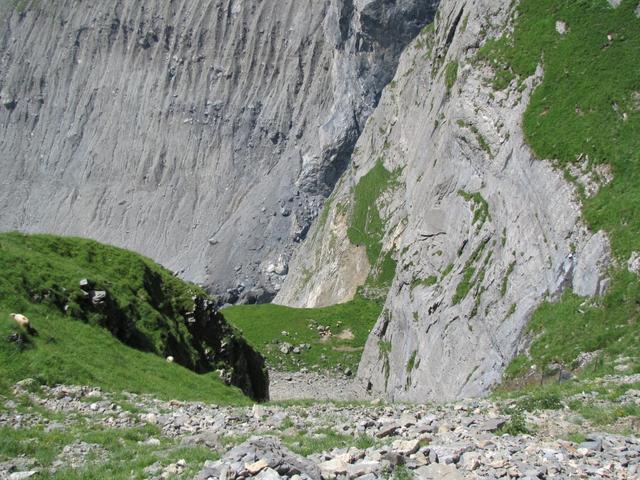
(346, 334)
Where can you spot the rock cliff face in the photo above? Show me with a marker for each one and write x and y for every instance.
(208, 134)
(481, 230)
(204, 134)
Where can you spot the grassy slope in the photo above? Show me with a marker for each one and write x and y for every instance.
(588, 105)
(262, 326)
(71, 351)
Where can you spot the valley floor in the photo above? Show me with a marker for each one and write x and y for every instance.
(81, 432)
(309, 385)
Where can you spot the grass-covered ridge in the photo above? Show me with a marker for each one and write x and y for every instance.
(586, 109)
(121, 342)
(349, 325)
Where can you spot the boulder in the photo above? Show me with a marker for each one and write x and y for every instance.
(437, 471)
(264, 453)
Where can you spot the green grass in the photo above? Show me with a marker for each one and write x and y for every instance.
(401, 472)
(469, 277)
(587, 107)
(589, 84)
(367, 227)
(411, 364)
(480, 207)
(547, 393)
(516, 425)
(447, 270)
(566, 328)
(39, 277)
(576, 437)
(482, 142)
(450, 75)
(505, 281)
(262, 326)
(605, 415)
(325, 440)
(70, 352)
(425, 38)
(126, 459)
(427, 282)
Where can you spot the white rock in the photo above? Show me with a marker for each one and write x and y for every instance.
(22, 475)
(561, 27)
(150, 418)
(470, 460)
(256, 467)
(151, 442)
(268, 474)
(331, 468)
(363, 468)
(258, 411)
(633, 264)
(406, 447)
(437, 471)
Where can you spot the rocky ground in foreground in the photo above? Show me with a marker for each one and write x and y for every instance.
(471, 439)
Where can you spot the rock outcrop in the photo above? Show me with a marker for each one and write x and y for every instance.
(205, 134)
(481, 230)
(209, 136)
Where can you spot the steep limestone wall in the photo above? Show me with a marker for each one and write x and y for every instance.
(481, 230)
(205, 134)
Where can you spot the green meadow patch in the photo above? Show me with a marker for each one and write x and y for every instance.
(349, 325)
(585, 111)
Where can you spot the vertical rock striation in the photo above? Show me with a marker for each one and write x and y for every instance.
(205, 134)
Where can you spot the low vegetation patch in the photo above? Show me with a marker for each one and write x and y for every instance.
(573, 325)
(450, 75)
(427, 282)
(367, 227)
(115, 454)
(293, 338)
(469, 276)
(516, 425)
(480, 207)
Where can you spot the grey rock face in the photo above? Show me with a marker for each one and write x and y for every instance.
(205, 136)
(497, 228)
(589, 278)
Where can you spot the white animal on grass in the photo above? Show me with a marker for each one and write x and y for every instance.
(24, 322)
(170, 359)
